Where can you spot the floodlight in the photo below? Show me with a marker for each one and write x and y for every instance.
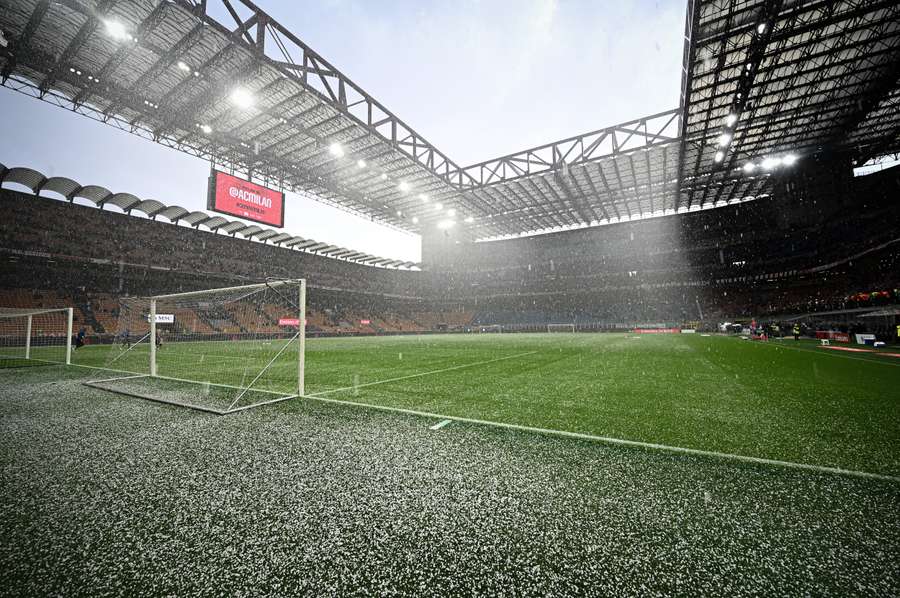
(445, 224)
(451, 212)
(361, 163)
(761, 28)
(206, 129)
(183, 66)
(720, 155)
(724, 139)
(770, 163)
(789, 159)
(242, 98)
(116, 30)
(336, 150)
(439, 206)
(469, 220)
(383, 176)
(399, 213)
(731, 119)
(423, 197)
(749, 167)
(415, 220)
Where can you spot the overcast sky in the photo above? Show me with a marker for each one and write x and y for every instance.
(477, 78)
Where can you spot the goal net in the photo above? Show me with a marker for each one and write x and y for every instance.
(217, 350)
(30, 337)
(560, 327)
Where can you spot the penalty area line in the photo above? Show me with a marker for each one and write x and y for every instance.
(621, 441)
(419, 375)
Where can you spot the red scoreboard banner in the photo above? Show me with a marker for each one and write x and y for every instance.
(230, 195)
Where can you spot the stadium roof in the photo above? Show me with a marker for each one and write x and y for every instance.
(100, 197)
(246, 93)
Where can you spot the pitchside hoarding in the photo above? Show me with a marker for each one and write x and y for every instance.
(231, 195)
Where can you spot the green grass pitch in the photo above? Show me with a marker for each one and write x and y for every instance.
(783, 400)
(113, 496)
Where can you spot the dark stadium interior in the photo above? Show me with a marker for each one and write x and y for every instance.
(766, 258)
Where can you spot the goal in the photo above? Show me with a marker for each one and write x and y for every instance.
(30, 337)
(560, 327)
(216, 350)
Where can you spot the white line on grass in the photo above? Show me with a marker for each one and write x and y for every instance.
(621, 441)
(420, 374)
(440, 425)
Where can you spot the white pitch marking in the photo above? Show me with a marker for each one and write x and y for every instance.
(622, 441)
(420, 374)
(439, 425)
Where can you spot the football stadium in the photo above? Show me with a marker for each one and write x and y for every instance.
(658, 358)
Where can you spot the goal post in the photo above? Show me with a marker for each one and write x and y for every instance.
(216, 350)
(560, 327)
(38, 336)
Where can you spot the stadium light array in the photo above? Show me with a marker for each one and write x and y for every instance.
(724, 139)
(770, 163)
(731, 119)
(117, 30)
(720, 155)
(749, 167)
(789, 159)
(242, 98)
(336, 150)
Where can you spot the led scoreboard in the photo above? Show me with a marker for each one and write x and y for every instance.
(231, 195)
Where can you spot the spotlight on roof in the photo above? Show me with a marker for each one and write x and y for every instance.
(182, 66)
(749, 167)
(116, 30)
(404, 186)
(469, 220)
(206, 129)
(445, 224)
(770, 163)
(336, 150)
(360, 163)
(731, 119)
(724, 139)
(242, 98)
(720, 155)
(415, 219)
(789, 159)
(451, 212)
(761, 28)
